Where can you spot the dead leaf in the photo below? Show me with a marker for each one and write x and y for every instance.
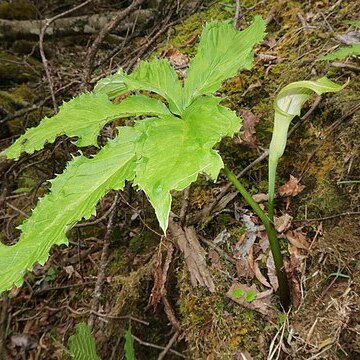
(272, 272)
(293, 273)
(282, 223)
(177, 59)
(242, 355)
(261, 304)
(291, 188)
(260, 198)
(24, 341)
(249, 125)
(215, 259)
(260, 276)
(222, 237)
(297, 239)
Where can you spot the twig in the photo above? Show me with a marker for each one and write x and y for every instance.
(145, 343)
(42, 52)
(169, 345)
(16, 209)
(184, 206)
(99, 220)
(349, 213)
(103, 262)
(224, 254)
(90, 56)
(3, 321)
(170, 313)
(238, 15)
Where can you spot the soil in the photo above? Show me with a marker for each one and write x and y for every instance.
(323, 153)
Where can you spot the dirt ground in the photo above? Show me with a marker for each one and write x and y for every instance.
(320, 224)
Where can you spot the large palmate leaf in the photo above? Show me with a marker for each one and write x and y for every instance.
(82, 344)
(159, 154)
(83, 117)
(222, 52)
(157, 76)
(176, 150)
(74, 195)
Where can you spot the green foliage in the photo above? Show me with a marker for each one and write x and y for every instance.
(159, 154)
(352, 22)
(249, 295)
(82, 344)
(129, 345)
(342, 53)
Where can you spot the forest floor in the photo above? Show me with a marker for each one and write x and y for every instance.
(317, 208)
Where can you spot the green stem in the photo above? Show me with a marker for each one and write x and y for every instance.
(284, 291)
(271, 192)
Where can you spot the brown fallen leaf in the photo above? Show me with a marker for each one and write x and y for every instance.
(261, 304)
(177, 59)
(242, 355)
(291, 188)
(215, 259)
(259, 275)
(292, 268)
(282, 223)
(260, 198)
(274, 282)
(249, 125)
(297, 239)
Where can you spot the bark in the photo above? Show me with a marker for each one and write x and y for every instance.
(77, 25)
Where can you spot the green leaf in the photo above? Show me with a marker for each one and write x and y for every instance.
(129, 345)
(74, 195)
(222, 52)
(352, 22)
(238, 293)
(342, 53)
(157, 76)
(83, 117)
(158, 154)
(250, 295)
(176, 150)
(82, 344)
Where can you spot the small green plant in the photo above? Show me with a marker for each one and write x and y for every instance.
(249, 295)
(165, 151)
(82, 344)
(344, 52)
(129, 345)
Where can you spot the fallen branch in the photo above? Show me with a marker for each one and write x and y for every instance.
(110, 26)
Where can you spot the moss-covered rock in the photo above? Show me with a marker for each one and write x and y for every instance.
(18, 10)
(15, 70)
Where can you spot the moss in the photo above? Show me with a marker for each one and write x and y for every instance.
(17, 125)
(215, 325)
(18, 10)
(15, 70)
(27, 47)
